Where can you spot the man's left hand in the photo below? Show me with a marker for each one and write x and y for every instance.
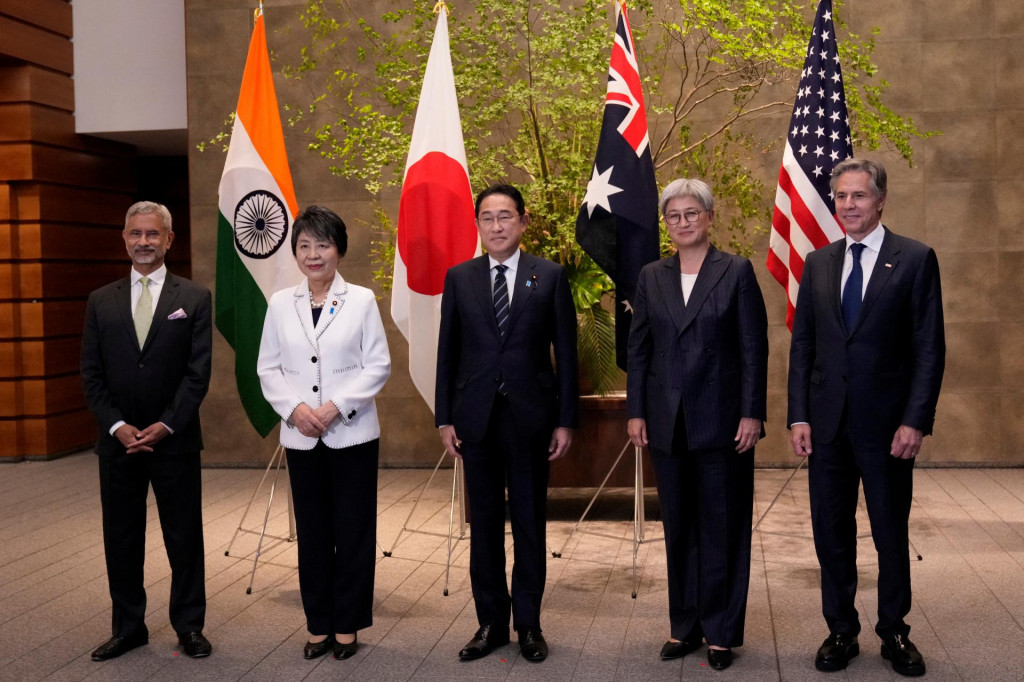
(906, 444)
(148, 437)
(561, 439)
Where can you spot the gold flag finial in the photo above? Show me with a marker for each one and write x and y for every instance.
(258, 11)
(442, 5)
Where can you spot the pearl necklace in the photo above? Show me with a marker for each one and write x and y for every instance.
(313, 304)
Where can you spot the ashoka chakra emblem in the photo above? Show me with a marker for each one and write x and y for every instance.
(261, 224)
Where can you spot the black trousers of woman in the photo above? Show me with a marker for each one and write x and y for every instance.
(335, 497)
(706, 497)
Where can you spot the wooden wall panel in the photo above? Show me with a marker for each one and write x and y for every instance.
(34, 319)
(30, 241)
(52, 15)
(39, 358)
(45, 437)
(28, 43)
(27, 83)
(28, 397)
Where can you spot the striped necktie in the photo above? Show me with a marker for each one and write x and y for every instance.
(501, 299)
(143, 312)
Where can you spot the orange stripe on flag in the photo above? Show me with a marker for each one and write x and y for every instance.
(257, 108)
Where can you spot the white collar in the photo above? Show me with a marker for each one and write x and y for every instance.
(156, 277)
(512, 262)
(873, 241)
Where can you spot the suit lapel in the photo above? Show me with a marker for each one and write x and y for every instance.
(671, 290)
(300, 299)
(711, 271)
(482, 293)
(525, 274)
(123, 301)
(887, 262)
(836, 253)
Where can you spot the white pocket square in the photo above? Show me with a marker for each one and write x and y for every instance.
(178, 314)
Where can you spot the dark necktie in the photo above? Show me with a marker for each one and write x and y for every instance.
(854, 290)
(501, 299)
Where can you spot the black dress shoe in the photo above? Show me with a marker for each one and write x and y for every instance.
(195, 645)
(343, 651)
(836, 651)
(719, 659)
(673, 650)
(115, 646)
(904, 656)
(487, 639)
(532, 645)
(317, 649)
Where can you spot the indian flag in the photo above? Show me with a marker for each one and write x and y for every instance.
(257, 206)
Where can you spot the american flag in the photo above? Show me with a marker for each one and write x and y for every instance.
(818, 139)
(618, 222)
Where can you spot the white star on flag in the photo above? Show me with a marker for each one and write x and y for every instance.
(598, 190)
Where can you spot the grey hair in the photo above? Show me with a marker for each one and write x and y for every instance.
(875, 170)
(688, 187)
(147, 208)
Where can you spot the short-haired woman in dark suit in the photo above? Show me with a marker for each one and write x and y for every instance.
(323, 358)
(696, 393)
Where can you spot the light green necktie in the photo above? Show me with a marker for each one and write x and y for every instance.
(143, 312)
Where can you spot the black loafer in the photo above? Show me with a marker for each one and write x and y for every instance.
(343, 651)
(195, 645)
(487, 639)
(115, 646)
(532, 645)
(673, 650)
(719, 659)
(317, 649)
(904, 656)
(836, 651)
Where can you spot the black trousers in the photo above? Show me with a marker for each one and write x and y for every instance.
(335, 498)
(177, 485)
(515, 456)
(835, 471)
(707, 498)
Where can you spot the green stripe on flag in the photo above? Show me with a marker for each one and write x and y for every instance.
(240, 310)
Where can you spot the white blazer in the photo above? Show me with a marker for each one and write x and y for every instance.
(344, 359)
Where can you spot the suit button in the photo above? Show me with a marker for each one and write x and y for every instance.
(315, 389)
(313, 359)
(141, 365)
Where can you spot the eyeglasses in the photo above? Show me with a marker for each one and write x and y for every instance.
(503, 219)
(691, 216)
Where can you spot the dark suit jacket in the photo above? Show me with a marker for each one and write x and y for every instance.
(887, 370)
(164, 381)
(472, 360)
(708, 357)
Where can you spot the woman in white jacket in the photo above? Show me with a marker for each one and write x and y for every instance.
(323, 358)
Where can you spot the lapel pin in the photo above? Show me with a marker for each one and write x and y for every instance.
(888, 265)
(532, 282)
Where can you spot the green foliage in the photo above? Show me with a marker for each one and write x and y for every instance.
(531, 77)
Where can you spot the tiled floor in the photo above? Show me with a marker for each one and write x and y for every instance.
(967, 617)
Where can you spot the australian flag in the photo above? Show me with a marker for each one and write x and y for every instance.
(618, 222)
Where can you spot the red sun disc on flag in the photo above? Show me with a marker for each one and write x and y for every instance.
(436, 228)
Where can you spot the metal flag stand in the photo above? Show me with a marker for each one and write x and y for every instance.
(275, 463)
(458, 491)
(639, 521)
(800, 465)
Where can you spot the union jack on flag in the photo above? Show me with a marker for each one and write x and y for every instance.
(818, 139)
(618, 222)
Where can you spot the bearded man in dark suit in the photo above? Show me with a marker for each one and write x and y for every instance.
(506, 411)
(865, 369)
(145, 369)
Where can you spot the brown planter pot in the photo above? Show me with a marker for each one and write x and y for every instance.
(596, 443)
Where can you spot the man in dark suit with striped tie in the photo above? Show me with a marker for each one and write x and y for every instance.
(865, 369)
(146, 368)
(506, 411)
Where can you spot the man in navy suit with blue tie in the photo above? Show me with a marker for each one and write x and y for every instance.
(506, 411)
(866, 365)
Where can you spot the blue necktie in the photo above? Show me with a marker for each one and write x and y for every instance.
(854, 290)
